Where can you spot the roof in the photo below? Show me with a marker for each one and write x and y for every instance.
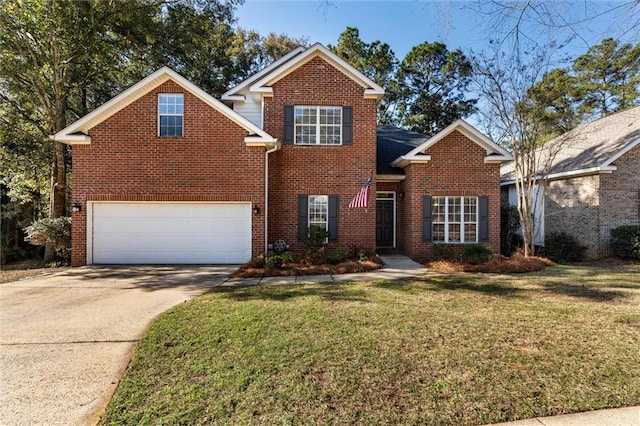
(392, 143)
(78, 132)
(495, 153)
(262, 81)
(590, 148)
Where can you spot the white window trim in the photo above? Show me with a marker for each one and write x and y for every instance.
(309, 222)
(462, 222)
(170, 115)
(390, 195)
(317, 125)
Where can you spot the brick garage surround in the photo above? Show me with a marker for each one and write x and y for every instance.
(456, 168)
(127, 161)
(322, 170)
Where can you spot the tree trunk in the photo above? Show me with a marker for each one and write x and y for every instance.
(58, 204)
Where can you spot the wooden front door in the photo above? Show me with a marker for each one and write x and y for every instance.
(384, 223)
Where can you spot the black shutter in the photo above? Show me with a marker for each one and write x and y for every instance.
(333, 218)
(288, 124)
(426, 219)
(347, 125)
(483, 219)
(303, 212)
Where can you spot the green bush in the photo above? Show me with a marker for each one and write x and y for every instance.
(287, 257)
(625, 241)
(440, 251)
(274, 261)
(477, 253)
(257, 261)
(337, 255)
(56, 232)
(313, 238)
(562, 247)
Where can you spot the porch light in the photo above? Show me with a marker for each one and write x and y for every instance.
(77, 207)
(256, 209)
(401, 194)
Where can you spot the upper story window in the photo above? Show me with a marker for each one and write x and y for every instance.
(318, 125)
(170, 114)
(455, 219)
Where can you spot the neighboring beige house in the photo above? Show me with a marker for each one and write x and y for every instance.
(593, 183)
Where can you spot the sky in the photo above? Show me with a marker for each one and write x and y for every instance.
(406, 23)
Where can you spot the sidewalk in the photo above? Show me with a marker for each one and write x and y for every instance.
(628, 416)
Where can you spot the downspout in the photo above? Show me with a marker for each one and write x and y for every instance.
(266, 195)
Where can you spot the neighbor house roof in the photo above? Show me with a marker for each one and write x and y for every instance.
(78, 132)
(261, 82)
(588, 149)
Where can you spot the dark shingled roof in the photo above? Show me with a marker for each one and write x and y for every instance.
(393, 142)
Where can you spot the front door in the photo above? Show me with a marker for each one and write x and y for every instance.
(384, 222)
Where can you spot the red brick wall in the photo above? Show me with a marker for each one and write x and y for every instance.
(321, 170)
(456, 168)
(127, 161)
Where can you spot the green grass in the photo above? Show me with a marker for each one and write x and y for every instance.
(455, 349)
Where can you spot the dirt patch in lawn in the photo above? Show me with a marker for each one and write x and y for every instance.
(292, 269)
(516, 264)
(26, 269)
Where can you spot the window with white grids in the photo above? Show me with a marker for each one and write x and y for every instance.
(170, 114)
(454, 219)
(318, 125)
(319, 211)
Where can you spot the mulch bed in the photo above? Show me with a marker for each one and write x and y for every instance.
(292, 269)
(515, 264)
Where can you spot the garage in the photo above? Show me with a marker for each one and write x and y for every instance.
(169, 233)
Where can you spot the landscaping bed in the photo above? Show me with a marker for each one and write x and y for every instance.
(26, 269)
(515, 264)
(288, 269)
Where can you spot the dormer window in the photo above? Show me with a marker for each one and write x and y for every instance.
(170, 114)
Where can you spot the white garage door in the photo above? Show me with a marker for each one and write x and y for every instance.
(165, 233)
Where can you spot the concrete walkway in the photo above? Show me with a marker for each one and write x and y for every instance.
(628, 416)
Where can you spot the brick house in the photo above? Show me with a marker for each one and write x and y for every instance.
(593, 184)
(164, 173)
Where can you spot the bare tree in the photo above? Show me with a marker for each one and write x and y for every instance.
(503, 80)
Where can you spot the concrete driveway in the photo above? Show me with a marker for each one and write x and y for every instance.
(65, 339)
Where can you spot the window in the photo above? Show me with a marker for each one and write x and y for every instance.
(454, 219)
(319, 211)
(170, 114)
(316, 125)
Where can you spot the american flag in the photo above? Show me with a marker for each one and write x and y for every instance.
(362, 197)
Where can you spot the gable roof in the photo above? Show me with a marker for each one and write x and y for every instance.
(495, 153)
(393, 142)
(77, 133)
(590, 148)
(262, 81)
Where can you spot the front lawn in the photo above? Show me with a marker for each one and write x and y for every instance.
(450, 349)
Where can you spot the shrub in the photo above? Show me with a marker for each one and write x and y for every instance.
(509, 224)
(477, 253)
(440, 251)
(287, 257)
(56, 232)
(257, 261)
(562, 247)
(337, 255)
(313, 239)
(274, 261)
(625, 241)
